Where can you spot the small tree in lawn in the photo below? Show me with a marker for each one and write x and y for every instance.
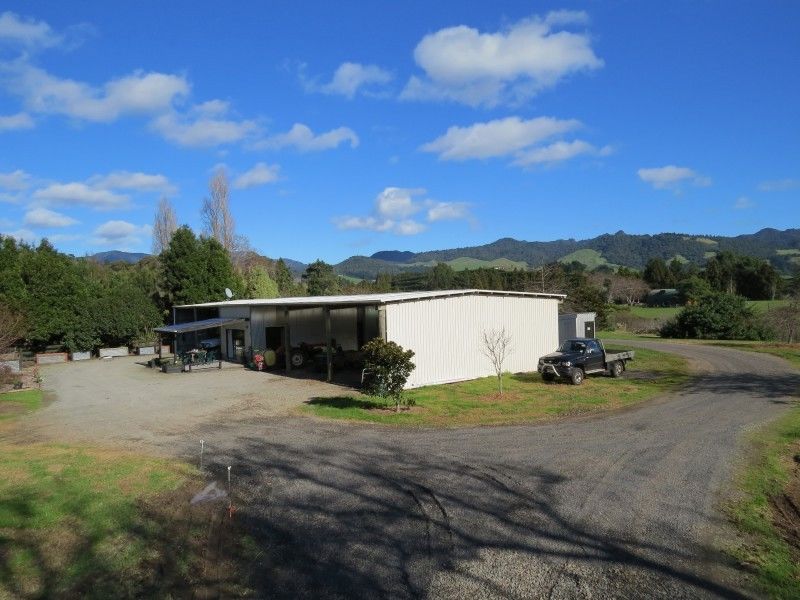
(497, 347)
(390, 367)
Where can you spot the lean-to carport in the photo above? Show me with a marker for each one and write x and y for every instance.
(191, 327)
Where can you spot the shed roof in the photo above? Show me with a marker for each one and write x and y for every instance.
(197, 325)
(367, 299)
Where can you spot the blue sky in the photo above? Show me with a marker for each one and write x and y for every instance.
(351, 127)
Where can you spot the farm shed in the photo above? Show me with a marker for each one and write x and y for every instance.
(576, 325)
(443, 328)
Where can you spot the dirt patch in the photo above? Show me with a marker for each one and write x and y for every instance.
(786, 507)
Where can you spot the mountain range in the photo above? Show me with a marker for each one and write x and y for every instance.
(781, 248)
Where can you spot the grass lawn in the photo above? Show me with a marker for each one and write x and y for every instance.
(526, 397)
(763, 513)
(88, 522)
(13, 404)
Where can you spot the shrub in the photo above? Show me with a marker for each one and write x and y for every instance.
(717, 316)
(389, 366)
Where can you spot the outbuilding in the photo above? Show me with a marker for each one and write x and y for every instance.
(443, 328)
(576, 325)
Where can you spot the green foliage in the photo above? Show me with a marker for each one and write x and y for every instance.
(441, 277)
(285, 279)
(390, 367)
(321, 279)
(717, 316)
(258, 284)
(196, 269)
(752, 277)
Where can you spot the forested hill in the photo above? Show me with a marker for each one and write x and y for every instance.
(781, 248)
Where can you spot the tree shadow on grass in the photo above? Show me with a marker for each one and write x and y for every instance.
(345, 402)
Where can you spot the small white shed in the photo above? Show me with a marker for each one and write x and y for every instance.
(576, 325)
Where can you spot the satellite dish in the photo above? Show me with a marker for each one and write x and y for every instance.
(228, 293)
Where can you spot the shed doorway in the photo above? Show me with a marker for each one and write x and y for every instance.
(235, 344)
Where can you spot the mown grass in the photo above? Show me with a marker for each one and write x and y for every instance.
(767, 476)
(526, 398)
(13, 404)
(89, 522)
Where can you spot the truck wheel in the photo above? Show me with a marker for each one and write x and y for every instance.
(548, 376)
(616, 368)
(576, 375)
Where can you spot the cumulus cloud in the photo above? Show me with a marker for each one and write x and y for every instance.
(559, 151)
(42, 217)
(202, 130)
(80, 193)
(260, 174)
(779, 185)
(137, 93)
(500, 137)
(15, 180)
(22, 235)
(20, 120)
(300, 137)
(448, 211)
(137, 181)
(514, 137)
(396, 210)
(672, 177)
(465, 65)
(121, 234)
(350, 77)
(27, 33)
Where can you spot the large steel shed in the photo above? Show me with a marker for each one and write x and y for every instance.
(443, 328)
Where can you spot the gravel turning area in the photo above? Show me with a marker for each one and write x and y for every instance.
(622, 505)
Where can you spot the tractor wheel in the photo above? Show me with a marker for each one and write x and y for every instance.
(298, 359)
(576, 376)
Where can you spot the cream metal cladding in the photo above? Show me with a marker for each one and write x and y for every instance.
(446, 334)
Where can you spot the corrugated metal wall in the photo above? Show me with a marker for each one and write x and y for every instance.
(446, 334)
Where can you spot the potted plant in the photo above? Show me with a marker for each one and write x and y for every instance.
(146, 342)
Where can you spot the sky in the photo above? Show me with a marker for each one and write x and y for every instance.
(351, 127)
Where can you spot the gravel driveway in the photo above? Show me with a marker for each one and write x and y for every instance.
(624, 505)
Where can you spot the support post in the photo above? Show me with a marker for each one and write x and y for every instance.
(195, 331)
(382, 322)
(328, 348)
(287, 349)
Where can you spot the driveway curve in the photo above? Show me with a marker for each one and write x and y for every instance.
(623, 505)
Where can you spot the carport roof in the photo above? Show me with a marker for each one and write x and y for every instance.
(197, 325)
(366, 299)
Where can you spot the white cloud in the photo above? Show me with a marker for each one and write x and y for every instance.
(350, 77)
(464, 65)
(672, 177)
(397, 203)
(137, 93)
(303, 139)
(559, 151)
(395, 208)
(260, 174)
(205, 125)
(28, 33)
(21, 120)
(779, 185)
(80, 193)
(500, 137)
(121, 234)
(743, 203)
(141, 182)
(448, 211)
(42, 217)
(22, 235)
(15, 180)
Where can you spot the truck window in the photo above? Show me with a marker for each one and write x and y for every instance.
(592, 347)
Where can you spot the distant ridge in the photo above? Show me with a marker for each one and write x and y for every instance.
(113, 256)
(781, 248)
